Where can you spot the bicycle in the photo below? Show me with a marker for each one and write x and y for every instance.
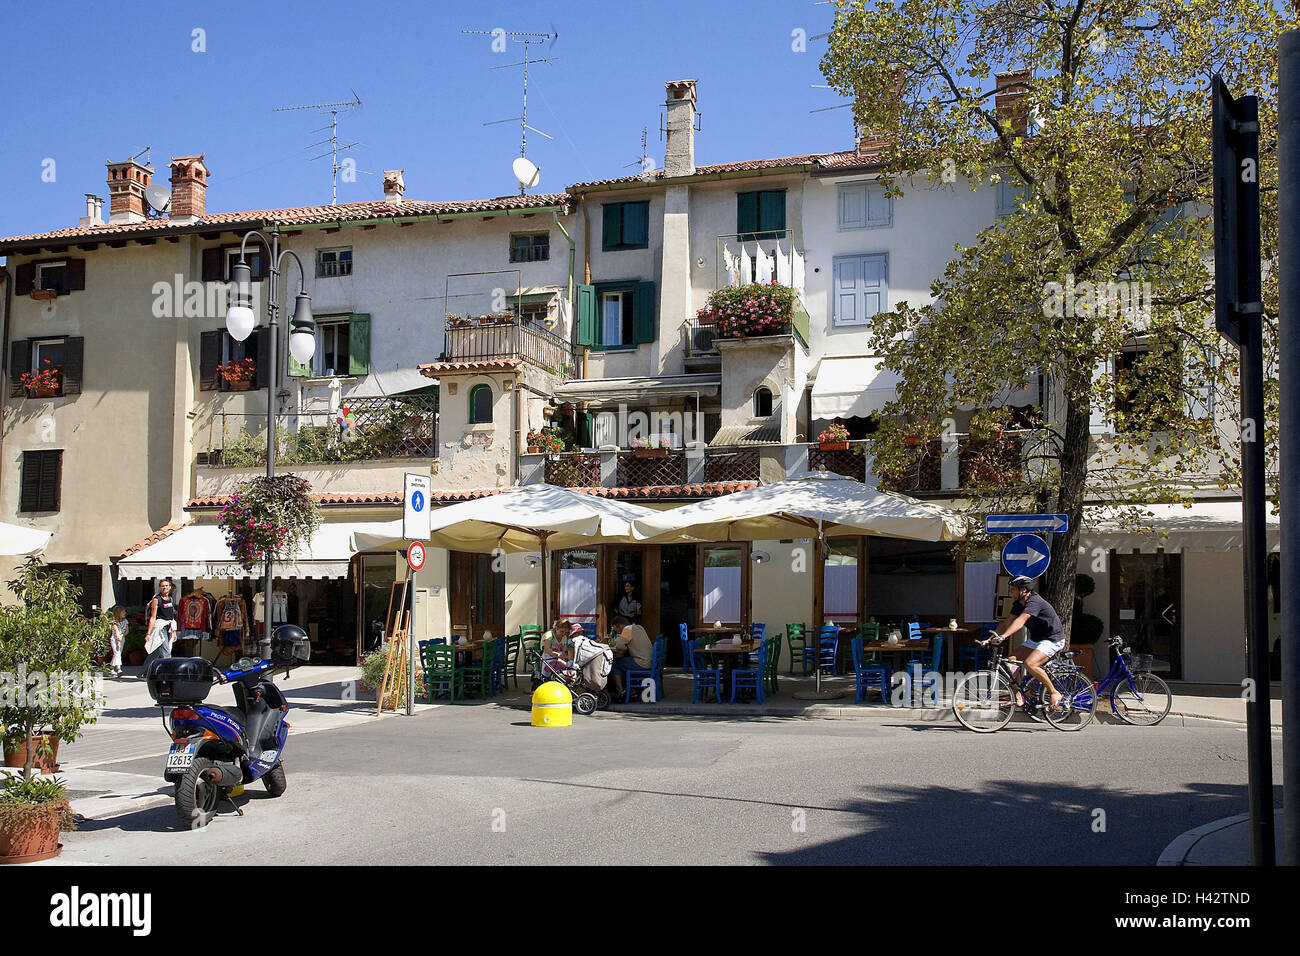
(985, 701)
(1136, 696)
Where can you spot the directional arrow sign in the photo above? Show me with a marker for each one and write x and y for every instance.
(1025, 524)
(1026, 554)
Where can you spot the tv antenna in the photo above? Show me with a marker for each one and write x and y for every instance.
(823, 109)
(334, 109)
(526, 172)
(646, 164)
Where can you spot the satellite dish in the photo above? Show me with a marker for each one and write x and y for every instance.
(158, 197)
(526, 172)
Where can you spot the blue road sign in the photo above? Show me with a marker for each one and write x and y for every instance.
(417, 500)
(1026, 554)
(1025, 524)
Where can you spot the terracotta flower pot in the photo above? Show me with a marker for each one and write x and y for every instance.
(45, 762)
(46, 391)
(37, 840)
(243, 386)
(44, 294)
(650, 452)
(834, 445)
(534, 449)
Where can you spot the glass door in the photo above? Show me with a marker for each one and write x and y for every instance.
(378, 573)
(1147, 607)
(724, 584)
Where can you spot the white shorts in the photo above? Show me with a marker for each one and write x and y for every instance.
(1050, 648)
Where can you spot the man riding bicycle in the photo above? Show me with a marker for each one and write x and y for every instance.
(1046, 636)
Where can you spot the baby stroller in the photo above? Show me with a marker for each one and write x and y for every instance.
(585, 675)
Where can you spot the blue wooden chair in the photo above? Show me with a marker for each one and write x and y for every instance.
(757, 632)
(687, 666)
(828, 648)
(704, 676)
(869, 674)
(655, 672)
(500, 671)
(977, 658)
(931, 662)
(753, 676)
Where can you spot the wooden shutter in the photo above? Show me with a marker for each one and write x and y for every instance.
(29, 495)
(746, 215)
(586, 315)
(92, 589)
(359, 343)
(73, 360)
(612, 226)
(24, 278)
(643, 312)
(636, 224)
(209, 359)
(42, 473)
(75, 275)
(771, 210)
(853, 207)
(20, 363)
(260, 342)
(263, 264)
(880, 207)
(212, 271)
(299, 369)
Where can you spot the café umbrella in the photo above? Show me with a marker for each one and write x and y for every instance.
(17, 540)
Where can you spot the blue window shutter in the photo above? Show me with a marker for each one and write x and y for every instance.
(873, 286)
(586, 315)
(879, 207)
(612, 226)
(643, 312)
(771, 210)
(847, 283)
(359, 343)
(852, 207)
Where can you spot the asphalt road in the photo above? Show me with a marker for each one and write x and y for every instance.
(477, 784)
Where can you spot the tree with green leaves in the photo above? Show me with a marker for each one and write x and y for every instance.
(1101, 276)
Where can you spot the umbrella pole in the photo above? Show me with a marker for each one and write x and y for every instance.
(818, 693)
(546, 603)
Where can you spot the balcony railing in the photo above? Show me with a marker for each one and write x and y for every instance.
(363, 429)
(849, 462)
(573, 470)
(649, 469)
(991, 461)
(510, 339)
(732, 464)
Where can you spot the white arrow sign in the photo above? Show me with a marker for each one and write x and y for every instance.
(1029, 556)
(1018, 524)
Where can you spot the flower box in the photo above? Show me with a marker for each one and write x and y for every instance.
(240, 386)
(534, 449)
(650, 452)
(40, 294)
(833, 445)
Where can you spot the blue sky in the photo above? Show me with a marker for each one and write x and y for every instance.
(114, 78)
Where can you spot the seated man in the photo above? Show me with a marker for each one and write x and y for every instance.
(632, 651)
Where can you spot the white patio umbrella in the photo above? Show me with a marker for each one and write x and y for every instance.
(17, 540)
(542, 517)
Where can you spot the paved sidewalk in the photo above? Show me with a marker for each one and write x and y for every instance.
(1223, 842)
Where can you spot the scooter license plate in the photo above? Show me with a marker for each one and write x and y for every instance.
(181, 756)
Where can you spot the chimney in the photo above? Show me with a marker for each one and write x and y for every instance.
(127, 181)
(189, 189)
(1009, 103)
(871, 144)
(394, 185)
(679, 155)
(94, 211)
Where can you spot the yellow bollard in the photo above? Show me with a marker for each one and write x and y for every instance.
(552, 705)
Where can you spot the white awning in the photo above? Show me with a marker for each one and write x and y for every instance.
(200, 551)
(852, 387)
(1205, 526)
(638, 388)
(16, 539)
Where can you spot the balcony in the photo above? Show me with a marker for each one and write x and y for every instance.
(509, 337)
(573, 469)
(363, 429)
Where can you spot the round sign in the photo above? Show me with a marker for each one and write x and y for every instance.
(1026, 554)
(417, 500)
(415, 555)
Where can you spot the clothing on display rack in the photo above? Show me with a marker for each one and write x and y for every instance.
(195, 615)
(231, 620)
(279, 607)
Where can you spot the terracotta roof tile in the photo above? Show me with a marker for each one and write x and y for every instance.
(328, 499)
(743, 166)
(154, 537)
(707, 489)
(434, 369)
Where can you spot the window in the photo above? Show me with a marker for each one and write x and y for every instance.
(535, 312)
(64, 353)
(331, 263)
(762, 402)
(253, 256)
(331, 356)
(1143, 370)
(1009, 195)
(217, 348)
(41, 479)
(480, 405)
(530, 247)
(89, 580)
(862, 206)
(861, 289)
(626, 226)
(218, 260)
(616, 315)
(52, 276)
(759, 214)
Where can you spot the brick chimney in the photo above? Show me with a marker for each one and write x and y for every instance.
(1009, 101)
(679, 154)
(189, 189)
(871, 143)
(94, 211)
(127, 181)
(394, 185)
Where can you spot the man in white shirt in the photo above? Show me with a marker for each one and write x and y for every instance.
(632, 651)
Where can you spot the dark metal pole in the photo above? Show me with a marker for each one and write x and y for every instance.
(1288, 186)
(273, 330)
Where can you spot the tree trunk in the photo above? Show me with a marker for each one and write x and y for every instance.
(29, 758)
(1059, 589)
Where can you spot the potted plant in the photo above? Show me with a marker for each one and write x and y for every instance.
(47, 643)
(642, 448)
(43, 294)
(133, 649)
(238, 373)
(834, 438)
(44, 383)
(268, 518)
(755, 309)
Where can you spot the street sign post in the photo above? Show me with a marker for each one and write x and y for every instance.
(415, 509)
(1026, 554)
(1026, 524)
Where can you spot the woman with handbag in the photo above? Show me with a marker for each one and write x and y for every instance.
(162, 625)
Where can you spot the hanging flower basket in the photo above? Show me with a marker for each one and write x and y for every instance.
(269, 518)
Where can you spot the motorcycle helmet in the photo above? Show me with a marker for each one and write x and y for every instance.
(290, 645)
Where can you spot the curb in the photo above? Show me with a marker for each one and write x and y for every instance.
(1175, 854)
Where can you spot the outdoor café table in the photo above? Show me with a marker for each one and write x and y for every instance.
(902, 647)
(728, 654)
(955, 632)
(719, 631)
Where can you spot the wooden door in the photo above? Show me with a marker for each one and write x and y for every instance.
(477, 599)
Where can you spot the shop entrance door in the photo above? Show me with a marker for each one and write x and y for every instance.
(378, 572)
(478, 596)
(1147, 607)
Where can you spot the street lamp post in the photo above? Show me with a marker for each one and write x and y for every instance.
(240, 321)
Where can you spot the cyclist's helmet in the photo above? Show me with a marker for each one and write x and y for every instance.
(1023, 581)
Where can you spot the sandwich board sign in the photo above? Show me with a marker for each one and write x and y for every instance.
(415, 508)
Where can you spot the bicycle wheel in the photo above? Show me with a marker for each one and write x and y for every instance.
(1078, 702)
(983, 702)
(1142, 699)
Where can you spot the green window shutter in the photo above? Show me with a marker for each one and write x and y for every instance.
(586, 315)
(359, 343)
(636, 224)
(643, 312)
(612, 226)
(771, 210)
(300, 369)
(746, 214)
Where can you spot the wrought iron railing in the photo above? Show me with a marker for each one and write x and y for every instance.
(363, 429)
(509, 339)
(573, 470)
(923, 472)
(732, 464)
(648, 468)
(849, 462)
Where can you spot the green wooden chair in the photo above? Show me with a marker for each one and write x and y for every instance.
(478, 675)
(795, 640)
(773, 665)
(870, 632)
(514, 647)
(441, 675)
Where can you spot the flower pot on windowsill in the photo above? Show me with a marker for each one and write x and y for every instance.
(650, 452)
(40, 294)
(243, 386)
(534, 449)
(833, 445)
(44, 391)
